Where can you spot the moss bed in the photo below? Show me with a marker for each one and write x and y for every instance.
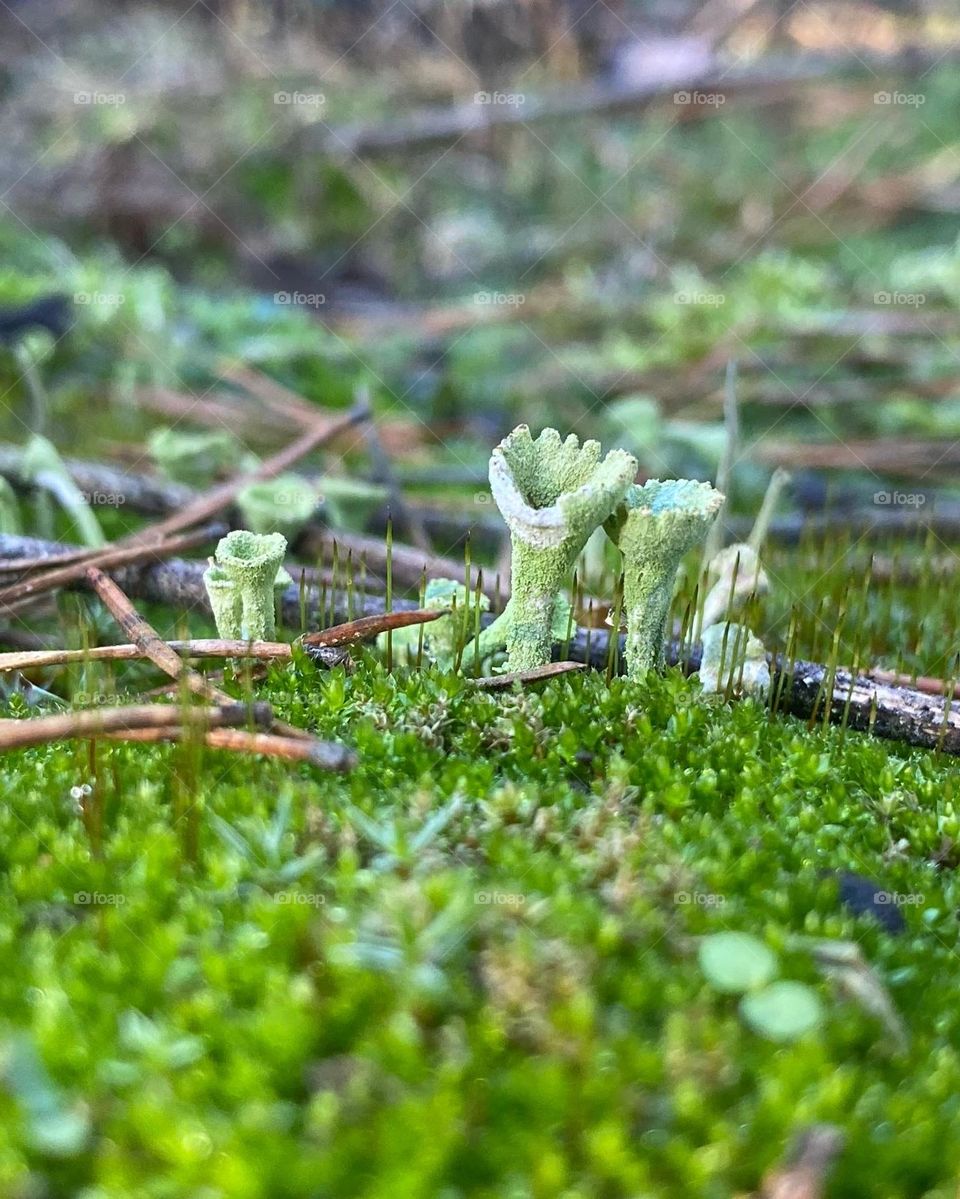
(469, 967)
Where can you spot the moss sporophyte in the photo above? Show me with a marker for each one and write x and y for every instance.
(654, 527)
(241, 582)
(552, 493)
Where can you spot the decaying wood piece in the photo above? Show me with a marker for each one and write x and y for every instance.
(96, 722)
(804, 1173)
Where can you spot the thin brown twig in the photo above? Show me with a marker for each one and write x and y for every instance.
(160, 654)
(14, 597)
(207, 647)
(326, 755)
(96, 722)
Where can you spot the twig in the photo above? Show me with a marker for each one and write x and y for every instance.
(537, 674)
(210, 647)
(13, 597)
(160, 654)
(370, 626)
(326, 755)
(40, 730)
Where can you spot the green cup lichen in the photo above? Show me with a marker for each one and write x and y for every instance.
(241, 584)
(193, 458)
(552, 494)
(654, 527)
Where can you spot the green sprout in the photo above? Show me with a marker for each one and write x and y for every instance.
(552, 494)
(241, 584)
(280, 505)
(654, 527)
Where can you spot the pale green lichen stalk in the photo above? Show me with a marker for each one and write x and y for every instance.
(241, 584)
(552, 494)
(654, 527)
(733, 660)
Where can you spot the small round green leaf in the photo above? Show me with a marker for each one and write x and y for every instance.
(736, 962)
(783, 1011)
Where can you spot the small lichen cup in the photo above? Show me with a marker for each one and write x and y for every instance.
(654, 527)
(241, 584)
(552, 494)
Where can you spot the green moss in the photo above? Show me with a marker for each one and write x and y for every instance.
(469, 968)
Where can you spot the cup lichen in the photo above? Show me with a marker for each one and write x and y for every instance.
(241, 584)
(654, 527)
(552, 494)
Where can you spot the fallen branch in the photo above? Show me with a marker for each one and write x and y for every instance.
(97, 722)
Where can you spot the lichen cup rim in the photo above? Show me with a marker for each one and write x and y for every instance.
(649, 508)
(241, 547)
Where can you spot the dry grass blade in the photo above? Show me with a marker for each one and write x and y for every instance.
(498, 682)
(370, 626)
(41, 730)
(325, 755)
